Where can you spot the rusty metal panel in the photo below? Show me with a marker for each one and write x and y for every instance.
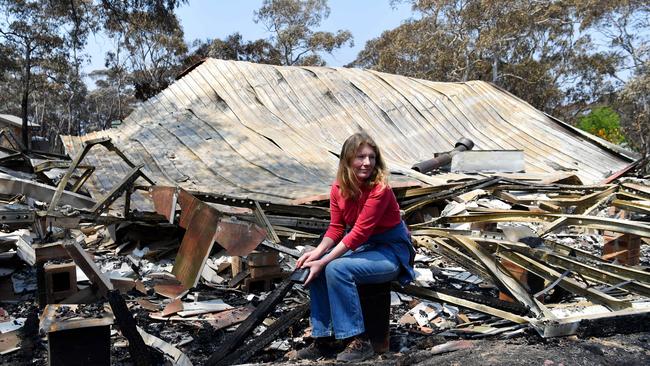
(164, 201)
(203, 226)
(238, 237)
(200, 223)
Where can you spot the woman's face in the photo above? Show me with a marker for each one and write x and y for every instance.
(364, 162)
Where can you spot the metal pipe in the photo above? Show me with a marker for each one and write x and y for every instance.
(428, 165)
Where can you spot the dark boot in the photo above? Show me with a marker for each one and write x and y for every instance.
(357, 350)
(323, 347)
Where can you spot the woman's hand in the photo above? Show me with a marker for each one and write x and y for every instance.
(309, 256)
(315, 268)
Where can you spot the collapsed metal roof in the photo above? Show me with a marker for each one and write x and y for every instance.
(273, 132)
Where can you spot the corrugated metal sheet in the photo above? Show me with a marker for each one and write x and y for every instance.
(272, 132)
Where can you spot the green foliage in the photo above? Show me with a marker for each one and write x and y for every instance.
(635, 98)
(530, 48)
(603, 122)
(292, 24)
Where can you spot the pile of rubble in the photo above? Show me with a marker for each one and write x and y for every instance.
(204, 278)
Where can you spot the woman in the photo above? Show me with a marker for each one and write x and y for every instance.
(376, 249)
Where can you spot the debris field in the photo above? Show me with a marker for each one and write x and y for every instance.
(509, 263)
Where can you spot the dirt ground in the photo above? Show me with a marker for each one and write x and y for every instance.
(630, 349)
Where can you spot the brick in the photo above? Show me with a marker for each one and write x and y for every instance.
(517, 272)
(624, 247)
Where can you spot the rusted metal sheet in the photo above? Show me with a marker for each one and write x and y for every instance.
(203, 226)
(238, 237)
(200, 222)
(171, 290)
(218, 320)
(164, 199)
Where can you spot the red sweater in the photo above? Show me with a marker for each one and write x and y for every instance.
(373, 212)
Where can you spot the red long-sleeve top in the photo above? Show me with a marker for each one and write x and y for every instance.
(373, 212)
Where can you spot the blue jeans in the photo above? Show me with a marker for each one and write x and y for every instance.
(335, 304)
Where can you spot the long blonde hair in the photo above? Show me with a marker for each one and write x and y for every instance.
(348, 184)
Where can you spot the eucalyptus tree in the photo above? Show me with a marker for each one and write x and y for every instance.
(530, 48)
(34, 37)
(293, 25)
(149, 43)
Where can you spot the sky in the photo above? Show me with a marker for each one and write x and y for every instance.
(209, 19)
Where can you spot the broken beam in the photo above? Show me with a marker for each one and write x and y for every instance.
(502, 275)
(83, 260)
(244, 353)
(137, 348)
(253, 320)
(566, 283)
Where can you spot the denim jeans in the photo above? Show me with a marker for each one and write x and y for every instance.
(335, 304)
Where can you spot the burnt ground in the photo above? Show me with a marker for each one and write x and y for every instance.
(527, 349)
(630, 349)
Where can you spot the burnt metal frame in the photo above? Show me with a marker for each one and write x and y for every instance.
(502, 275)
(65, 164)
(557, 220)
(17, 145)
(567, 283)
(264, 221)
(112, 196)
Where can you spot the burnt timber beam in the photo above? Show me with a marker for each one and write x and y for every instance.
(83, 260)
(253, 320)
(137, 348)
(244, 353)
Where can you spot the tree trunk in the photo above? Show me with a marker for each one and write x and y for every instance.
(495, 68)
(25, 99)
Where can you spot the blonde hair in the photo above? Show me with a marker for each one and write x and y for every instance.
(348, 183)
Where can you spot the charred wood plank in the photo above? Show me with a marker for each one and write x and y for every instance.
(137, 348)
(244, 329)
(244, 353)
(83, 260)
